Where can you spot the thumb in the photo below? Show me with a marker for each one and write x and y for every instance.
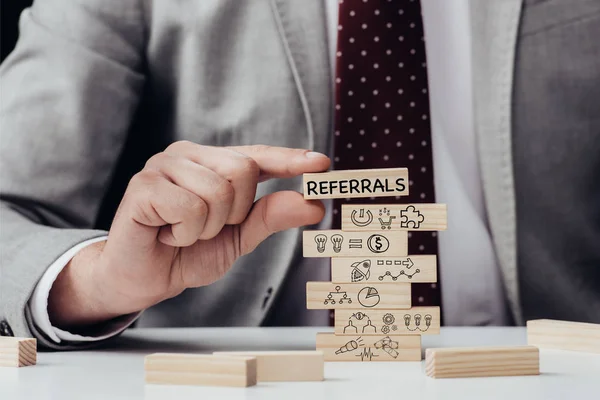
(277, 212)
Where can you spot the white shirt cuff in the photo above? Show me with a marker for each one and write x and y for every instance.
(38, 303)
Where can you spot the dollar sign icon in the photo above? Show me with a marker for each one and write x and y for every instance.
(378, 243)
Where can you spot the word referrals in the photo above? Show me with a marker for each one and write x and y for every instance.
(357, 186)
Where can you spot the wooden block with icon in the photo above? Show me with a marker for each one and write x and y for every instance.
(356, 183)
(336, 243)
(200, 369)
(564, 335)
(327, 295)
(285, 366)
(471, 362)
(369, 348)
(410, 269)
(414, 321)
(17, 351)
(394, 217)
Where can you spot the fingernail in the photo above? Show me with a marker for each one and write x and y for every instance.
(314, 154)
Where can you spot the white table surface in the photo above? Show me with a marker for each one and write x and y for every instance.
(116, 371)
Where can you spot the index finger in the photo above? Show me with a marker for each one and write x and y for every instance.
(283, 162)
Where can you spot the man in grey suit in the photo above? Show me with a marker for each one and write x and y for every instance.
(97, 90)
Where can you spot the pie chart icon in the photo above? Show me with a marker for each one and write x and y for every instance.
(368, 297)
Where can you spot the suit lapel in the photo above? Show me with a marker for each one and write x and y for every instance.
(302, 25)
(495, 26)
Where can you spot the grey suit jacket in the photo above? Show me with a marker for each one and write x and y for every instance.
(94, 87)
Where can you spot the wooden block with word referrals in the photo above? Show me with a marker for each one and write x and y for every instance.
(394, 217)
(564, 335)
(334, 243)
(369, 348)
(356, 183)
(470, 362)
(200, 369)
(411, 269)
(327, 295)
(414, 321)
(285, 366)
(17, 352)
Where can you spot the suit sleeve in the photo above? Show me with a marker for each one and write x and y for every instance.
(68, 94)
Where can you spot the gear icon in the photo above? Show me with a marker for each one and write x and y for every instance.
(385, 329)
(389, 319)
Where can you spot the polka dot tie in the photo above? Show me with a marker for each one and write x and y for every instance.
(382, 107)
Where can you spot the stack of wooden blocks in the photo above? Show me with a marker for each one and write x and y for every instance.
(371, 270)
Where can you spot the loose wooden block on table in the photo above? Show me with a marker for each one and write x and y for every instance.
(565, 335)
(369, 348)
(17, 351)
(285, 366)
(414, 321)
(356, 183)
(200, 369)
(395, 217)
(482, 361)
(413, 269)
(327, 295)
(336, 243)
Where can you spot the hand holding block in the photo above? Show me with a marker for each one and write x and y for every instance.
(285, 366)
(564, 335)
(470, 362)
(395, 217)
(356, 183)
(414, 321)
(17, 352)
(413, 269)
(327, 295)
(334, 243)
(369, 348)
(200, 369)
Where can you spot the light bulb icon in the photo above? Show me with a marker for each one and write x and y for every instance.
(337, 242)
(428, 320)
(417, 319)
(320, 240)
(407, 319)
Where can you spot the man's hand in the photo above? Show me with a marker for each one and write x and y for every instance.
(183, 221)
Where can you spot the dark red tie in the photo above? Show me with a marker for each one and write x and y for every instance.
(382, 107)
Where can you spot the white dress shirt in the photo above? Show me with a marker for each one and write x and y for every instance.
(472, 290)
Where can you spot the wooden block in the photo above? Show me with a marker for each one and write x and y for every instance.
(356, 183)
(369, 348)
(200, 369)
(327, 295)
(411, 269)
(395, 217)
(17, 351)
(335, 243)
(564, 335)
(414, 321)
(285, 366)
(470, 362)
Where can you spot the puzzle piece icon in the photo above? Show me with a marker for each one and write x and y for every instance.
(411, 218)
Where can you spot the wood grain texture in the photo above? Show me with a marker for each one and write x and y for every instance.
(414, 321)
(482, 361)
(17, 351)
(356, 183)
(200, 369)
(327, 295)
(564, 335)
(336, 243)
(394, 217)
(411, 269)
(369, 348)
(285, 366)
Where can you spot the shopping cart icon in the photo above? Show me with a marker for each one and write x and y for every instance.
(387, 224)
